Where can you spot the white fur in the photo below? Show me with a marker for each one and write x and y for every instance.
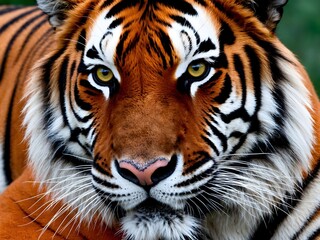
(159, 228)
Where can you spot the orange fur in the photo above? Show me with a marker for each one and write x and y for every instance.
(21, 205)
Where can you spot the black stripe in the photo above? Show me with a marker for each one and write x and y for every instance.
(225, 91)
(9, 9)
(80, 102)
(130, 46)
(101, 170)
(77, 131)
(46, 94)
(238, 65)
(183, 22)
(104, 183)
(255, 65)
(212, 82)
(12, 21)
(211, 144)
(216, 132)
(180, 5)
(205, 46)
(30, 34)
(62, 79)
(80, 119)
(201, 159)
(92, 91)
(7, 141)
(221, 61)
(194, 179)
(7, 144)
(122, 5)
(106, 3)
(227, 36)
(116, 23)
(201, 2)
(81, 42)
(315, 235)
(121, 44)
(166, 43)
(93, 53)
(12, 41)
(312, 217)
(83, 18)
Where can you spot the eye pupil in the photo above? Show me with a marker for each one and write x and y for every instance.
(104, 72)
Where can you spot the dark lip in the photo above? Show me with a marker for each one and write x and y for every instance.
(151, 205)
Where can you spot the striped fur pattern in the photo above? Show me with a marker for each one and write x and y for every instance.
(236, 145)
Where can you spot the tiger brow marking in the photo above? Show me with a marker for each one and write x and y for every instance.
(116, 23)
(185, 23)
(101, 41)
(206, 46)
(187, 46)
(93, 53)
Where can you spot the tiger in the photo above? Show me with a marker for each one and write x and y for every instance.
(157, 120)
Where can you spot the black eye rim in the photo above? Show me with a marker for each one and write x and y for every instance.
(97, 80)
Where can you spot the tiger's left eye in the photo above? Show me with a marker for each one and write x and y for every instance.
(103, 75)
(198, 69)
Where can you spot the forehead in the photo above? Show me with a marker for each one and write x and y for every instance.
(185, 33)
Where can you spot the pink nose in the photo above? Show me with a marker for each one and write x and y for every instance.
(146, 174)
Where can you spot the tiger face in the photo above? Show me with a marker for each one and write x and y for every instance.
(172, 119)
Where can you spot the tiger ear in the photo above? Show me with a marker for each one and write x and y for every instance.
(56, 10)
(268, 11)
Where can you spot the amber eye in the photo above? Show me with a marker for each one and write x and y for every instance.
(103, 75)
(198, 69)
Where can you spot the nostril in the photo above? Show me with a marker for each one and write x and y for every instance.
(125, 173)
(164, 172)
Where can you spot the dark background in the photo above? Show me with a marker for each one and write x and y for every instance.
(299, 30)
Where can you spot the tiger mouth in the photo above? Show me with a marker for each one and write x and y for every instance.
(152, 210)
(153, 207)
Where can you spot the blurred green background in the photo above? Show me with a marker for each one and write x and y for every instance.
(299, 30)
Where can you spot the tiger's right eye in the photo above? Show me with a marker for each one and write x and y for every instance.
(103, 75)
(198, 70)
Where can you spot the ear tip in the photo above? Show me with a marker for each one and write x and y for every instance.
(55, 9)
(280, 3)
(268, 11)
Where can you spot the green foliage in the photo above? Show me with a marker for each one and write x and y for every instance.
(299, 30)
(18, 2)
